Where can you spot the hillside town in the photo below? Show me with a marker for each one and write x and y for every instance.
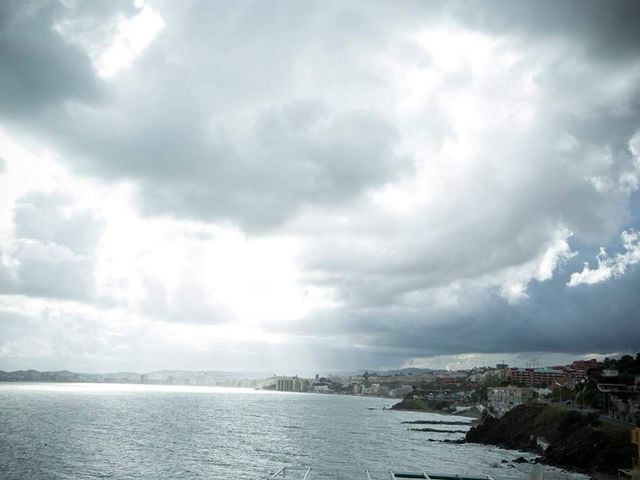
(609, 386)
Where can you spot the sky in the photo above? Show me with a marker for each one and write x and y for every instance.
(323, 185)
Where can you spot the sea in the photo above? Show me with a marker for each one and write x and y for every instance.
(122, 432)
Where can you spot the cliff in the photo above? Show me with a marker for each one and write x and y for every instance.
(579, 442)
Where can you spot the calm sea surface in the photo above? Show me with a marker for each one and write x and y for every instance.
(91, 431)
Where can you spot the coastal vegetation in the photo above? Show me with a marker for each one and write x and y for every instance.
(576, 441)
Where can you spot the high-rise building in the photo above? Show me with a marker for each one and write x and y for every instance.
(292, 384)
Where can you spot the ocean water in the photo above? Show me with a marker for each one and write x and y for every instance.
(97, 431)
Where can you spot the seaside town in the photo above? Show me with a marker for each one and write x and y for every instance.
(610, 386)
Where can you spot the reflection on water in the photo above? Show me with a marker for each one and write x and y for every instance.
(90, 431)
(105, 388)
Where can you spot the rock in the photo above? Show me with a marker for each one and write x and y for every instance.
(575, 442)
(520, 460)
(436, 430)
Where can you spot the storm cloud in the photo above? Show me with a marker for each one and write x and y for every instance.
(376, 183)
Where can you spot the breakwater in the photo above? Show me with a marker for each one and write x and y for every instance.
(576, 441)
(436, 430)
(436, 422)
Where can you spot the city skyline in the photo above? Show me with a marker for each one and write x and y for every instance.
(322, 186)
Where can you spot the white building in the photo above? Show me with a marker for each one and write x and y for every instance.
(503, 399)
(320, 388)
(292, 384)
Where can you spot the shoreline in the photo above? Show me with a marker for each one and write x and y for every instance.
(577, 443)
(437, 412)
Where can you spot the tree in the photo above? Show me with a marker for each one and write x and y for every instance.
(626, 362)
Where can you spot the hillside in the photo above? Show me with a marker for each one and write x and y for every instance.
(578, 441)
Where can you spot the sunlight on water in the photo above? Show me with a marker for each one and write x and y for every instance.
(152, 432)
(101, 388)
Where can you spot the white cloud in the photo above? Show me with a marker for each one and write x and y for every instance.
(132, 36)
(515, 280)
(610, 267)
(113, 35)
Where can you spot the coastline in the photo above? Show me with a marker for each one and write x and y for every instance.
(576, 442)
(475, 419)
(413, 404)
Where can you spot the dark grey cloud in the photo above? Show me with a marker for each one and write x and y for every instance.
(293, 118)
(504, 219)
(170, 131)
(554, 318)
(607, 30)
(168, 124)
(38, 68)
(295, 160)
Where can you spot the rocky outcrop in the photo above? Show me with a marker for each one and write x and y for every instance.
(436, 430)
(413, 403)
(577, 441)
(436, 422)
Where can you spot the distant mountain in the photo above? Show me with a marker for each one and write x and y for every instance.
(217, 374)
(191, 377)
(35, 376)
(188, 377)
